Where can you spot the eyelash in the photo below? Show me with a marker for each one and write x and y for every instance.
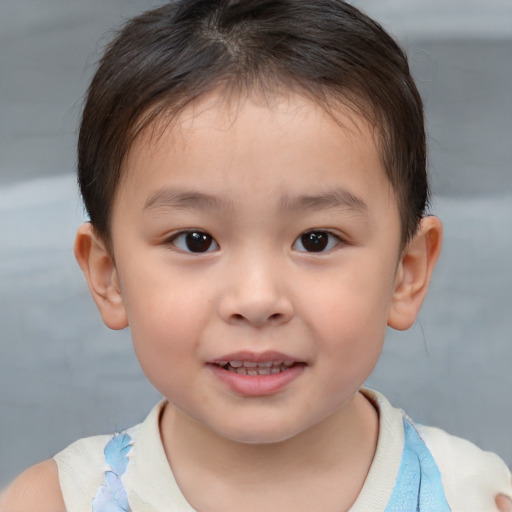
(206, 239)
(321, 240)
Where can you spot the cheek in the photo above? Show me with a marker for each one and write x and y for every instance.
(165, 328)
(165, 347)
(169, 324)
(349, 318)
(353, 301)
(160, 301)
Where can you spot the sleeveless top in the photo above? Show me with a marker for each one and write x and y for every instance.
(415, 469)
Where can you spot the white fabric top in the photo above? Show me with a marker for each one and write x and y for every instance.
(470, 476)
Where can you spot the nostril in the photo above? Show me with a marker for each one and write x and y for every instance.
(274, 318)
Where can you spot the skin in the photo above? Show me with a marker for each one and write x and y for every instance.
(255, 291)
(259, 291)
(252, 183)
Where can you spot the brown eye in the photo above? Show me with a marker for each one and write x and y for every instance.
(195, 241)
(316, 241)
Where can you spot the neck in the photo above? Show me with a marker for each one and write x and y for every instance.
(340, 448)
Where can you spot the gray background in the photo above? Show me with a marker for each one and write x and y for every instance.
(63, 375)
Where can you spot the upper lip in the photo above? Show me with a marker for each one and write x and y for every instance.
(255, 357)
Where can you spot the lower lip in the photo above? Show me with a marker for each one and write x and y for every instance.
(257, 385)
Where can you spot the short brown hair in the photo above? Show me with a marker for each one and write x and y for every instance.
(166, 58)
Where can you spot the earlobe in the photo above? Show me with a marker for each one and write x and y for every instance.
(100, 272)
(414, 272)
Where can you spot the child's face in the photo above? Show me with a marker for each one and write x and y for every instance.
(264, 236)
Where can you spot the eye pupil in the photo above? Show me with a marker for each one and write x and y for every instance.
(315, 241)
(198, 242)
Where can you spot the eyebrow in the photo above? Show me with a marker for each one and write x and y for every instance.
(333, 199)
(183, 200)
(190, 199)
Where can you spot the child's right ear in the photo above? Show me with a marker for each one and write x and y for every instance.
(100, 272)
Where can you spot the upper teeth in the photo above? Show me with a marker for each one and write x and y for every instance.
(254, 364)
(256, 368)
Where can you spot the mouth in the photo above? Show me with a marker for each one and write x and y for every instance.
(253, 368)
(257, 374)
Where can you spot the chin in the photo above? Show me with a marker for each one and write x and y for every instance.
(266, 434)
(258, 438)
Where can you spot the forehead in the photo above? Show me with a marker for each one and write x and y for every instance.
(281, 144)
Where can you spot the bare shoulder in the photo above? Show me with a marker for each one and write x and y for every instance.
(37, 488)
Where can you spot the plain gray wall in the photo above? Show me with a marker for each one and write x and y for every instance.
(63, 375)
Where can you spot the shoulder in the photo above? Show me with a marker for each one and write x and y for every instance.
(470, 475)
(72, 476)
(81, 469)
(37, 488)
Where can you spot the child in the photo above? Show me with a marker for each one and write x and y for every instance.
(254, 172)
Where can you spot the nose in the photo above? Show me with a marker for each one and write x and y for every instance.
(255, 293)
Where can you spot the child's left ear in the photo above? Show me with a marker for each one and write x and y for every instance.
(414, 272)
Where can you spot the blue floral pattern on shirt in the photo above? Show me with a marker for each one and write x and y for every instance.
(418, 487)
(112, 497)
